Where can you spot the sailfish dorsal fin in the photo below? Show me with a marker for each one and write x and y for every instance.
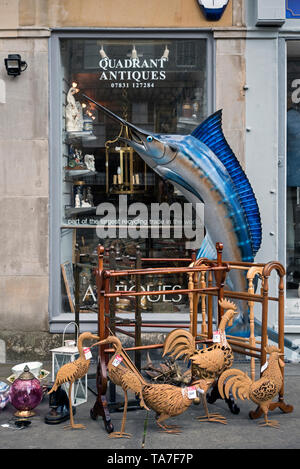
(210, 133)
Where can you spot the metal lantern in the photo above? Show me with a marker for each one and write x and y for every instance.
(67, 353)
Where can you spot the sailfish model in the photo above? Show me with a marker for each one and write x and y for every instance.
(204, 168)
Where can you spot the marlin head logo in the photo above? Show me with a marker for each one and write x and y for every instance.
(204, 168)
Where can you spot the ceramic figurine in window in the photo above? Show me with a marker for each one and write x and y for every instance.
(89, 161)
(72, 157)
(78, 197)
(85, 198)
(74, 118)
(77, 201)
(79, 158)
(89, 197)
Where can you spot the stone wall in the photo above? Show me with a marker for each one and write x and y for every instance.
(24, 188)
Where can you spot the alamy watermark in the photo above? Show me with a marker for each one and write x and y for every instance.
(296, 94)
(159, 220)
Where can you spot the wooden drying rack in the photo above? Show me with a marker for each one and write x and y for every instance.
(206, 280)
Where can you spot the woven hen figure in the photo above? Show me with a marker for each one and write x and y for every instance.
(165, 399)
(261, 391)
(72, 371)
(207, 364)
(123, 373)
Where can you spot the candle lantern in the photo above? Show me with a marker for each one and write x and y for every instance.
(67, 353)
(26, 393)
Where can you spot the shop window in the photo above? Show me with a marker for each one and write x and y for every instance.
(293, 171)
(160, 86)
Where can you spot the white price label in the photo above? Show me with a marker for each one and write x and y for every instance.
(87, 353)
(216, 337)
(192, 392)
(264, 367)
(117, 360)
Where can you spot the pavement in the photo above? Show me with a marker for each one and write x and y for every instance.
(240, 432)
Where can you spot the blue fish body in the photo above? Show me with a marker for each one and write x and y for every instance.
(203, 178)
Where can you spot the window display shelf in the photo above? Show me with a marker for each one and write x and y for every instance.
(87, 135)
(75, 172)
(80, 211)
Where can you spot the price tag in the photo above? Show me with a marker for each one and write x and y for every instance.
(117, 360)
(216, 337)
(192, 392)
(264, 367)
(87, 353)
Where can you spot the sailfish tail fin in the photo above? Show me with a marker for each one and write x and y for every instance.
(211, 134)
(207, 249)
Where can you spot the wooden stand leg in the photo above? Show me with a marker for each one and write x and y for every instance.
(101, 406)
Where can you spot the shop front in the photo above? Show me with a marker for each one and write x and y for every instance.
(104, 192)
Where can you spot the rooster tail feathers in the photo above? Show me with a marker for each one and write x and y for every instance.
(180, 341)
(239, 382)
(179, 351)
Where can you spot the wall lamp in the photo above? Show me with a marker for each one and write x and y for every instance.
(14, 65)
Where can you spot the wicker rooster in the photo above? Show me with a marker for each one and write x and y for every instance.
(262, 391)
(207, 364)
(165, 399)
(72, 371)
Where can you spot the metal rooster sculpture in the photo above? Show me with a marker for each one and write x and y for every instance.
(261, 391)
(72, 371)
(206, 364)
